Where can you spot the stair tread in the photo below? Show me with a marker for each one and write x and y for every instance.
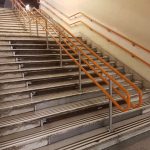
(101, 136)
(45, 86)
(24, 44)
(48, 76)
(47, 112)
(49, 97)
(46, 131)
(35, 61)
(40, 68)
(35, 55)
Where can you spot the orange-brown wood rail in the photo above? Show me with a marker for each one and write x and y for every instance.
(100, 34)
(100, 24)
(117, 87)
(108, 39)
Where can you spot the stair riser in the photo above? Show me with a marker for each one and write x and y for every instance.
(8, 16)
(4, 42)
(52, 103)
(6, 13)
(74, 131)
(3, 53)
(39, 81)
(9, 67)
(2, 60)
(39, 58)
(32, 58)
(11, 18)
(35, 65)
(95, 125)
(5, 47)
(9, 28)
(13, 31)
(11, 86)
(8, 74)
(17, 22)
(18, 128)
(39, 51)
(36, 47)
(14, 97)
(48, 90)
(11, 24)
(32, 42)
(48, 104)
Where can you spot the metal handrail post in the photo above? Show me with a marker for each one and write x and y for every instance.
(110, 107)
(80, 77)
(12, 4)
(61, 57)
(30, 23)
(37, 27)
(46, 27)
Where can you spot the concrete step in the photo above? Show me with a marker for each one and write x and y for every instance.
(32, 46)
(55, 111)
(6, 12)
(6, 73)
(5, 52)
(102, 138)
(36, 62)
(37, 57)
(52, 133)
(26, 38)
(13, 31)
(11, 24)
(54, 74)
(44, 86)
(55, 98)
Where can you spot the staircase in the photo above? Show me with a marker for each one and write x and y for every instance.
(41, 104)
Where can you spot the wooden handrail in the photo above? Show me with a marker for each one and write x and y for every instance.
(102, 35)
(100, 24)
(62, 32)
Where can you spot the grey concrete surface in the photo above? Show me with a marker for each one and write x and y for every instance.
(141, 142)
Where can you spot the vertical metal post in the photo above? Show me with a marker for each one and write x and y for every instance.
(110, 106)
(46, 28)
(80, 77)
(37, 27)
(12, 4)
(61, 58)
(30, 23)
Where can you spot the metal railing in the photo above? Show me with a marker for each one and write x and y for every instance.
(77, 49)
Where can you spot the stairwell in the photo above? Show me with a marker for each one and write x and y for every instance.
(41, 104)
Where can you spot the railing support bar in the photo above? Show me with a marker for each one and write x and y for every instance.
(37, 27)
(46, 27)
(110, 107)
(61, 57)
(30, 23)
(80, 77)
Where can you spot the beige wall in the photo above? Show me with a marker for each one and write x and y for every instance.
(129, 17)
